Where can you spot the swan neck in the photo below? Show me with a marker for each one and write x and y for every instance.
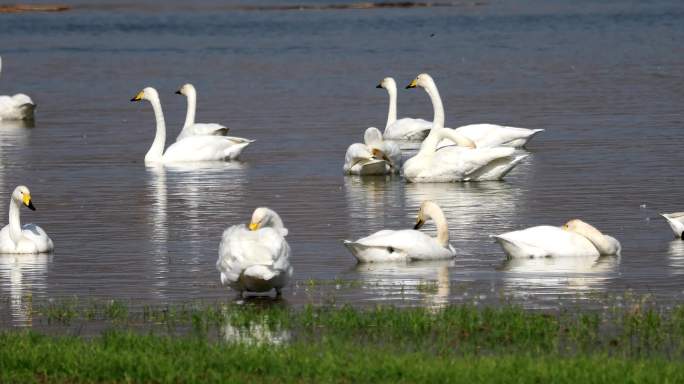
(14, 222)
(437, 215)
(157, 149)
(598, 239)
(429, 145)
(192, 107)
(392, 112)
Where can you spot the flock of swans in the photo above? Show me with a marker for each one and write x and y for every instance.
(256, 257)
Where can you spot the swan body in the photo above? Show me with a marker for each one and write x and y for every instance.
(575, 239)
(17, 107)
(407, 244)
(190, 128)
(407, 128)
(255, 258)
(374, 157)
(676, 221)
(463, 162)
(492, 135)
(189, 149)
(29, 238)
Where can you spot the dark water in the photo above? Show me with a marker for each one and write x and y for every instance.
(604, 80)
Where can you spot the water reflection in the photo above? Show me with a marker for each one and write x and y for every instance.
(427, 281)
(368, 199)
(255, 334)
(23, 276)
(676, 257)
(558, 276)
(156, 185)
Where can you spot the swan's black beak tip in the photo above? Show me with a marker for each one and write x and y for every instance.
(178, 93)
(378, 86)
(31, 206)
(134, 99)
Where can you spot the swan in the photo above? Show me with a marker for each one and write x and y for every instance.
(464, 162)
(255, 259)
(676, 221)
(193, 148)
(374, 157)
(190, 128)
(17, 107)
(574, 239)
(29, 238)
(406, 128)
(406, 244)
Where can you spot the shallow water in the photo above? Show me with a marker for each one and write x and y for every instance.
(604, 80)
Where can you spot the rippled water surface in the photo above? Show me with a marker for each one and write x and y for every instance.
(604, 80)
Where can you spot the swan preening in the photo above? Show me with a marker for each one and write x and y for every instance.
(190, 128)
(464, 162)
(17, 107)
(574, 239)
(406, 128)
(192, 148)
(29, 238)
(406, 244)
(676, 221)
(255, 258)
(374, 156)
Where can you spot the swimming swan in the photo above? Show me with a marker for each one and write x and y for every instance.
(464, 162)
(406, 128)
(374, 157)
(676, 221)
(29, 238)
(17, 107)
(255, 259)
(190, 128)
(574, 239)
(406, 244)
(193, 148)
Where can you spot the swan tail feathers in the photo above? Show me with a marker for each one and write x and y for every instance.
(514, 249)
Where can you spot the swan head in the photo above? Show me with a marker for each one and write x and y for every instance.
(372, 136)
(387, 83)
(186, 89)
(148, 93)
(424, 213)
(379, 154)
(265, 217)
(22, 195)
(423, 80)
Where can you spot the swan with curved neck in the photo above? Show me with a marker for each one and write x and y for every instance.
(407, 244)
(189, 149)
(374, 156)
(190, 128)
(17, 107)
(255, 258)
(406, 128)
(29, 238)
(465, 162)
(575, 238)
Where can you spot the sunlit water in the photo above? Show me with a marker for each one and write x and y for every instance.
(604, 80)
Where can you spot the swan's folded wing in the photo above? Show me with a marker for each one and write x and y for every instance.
(203, 148)
(492, 135)
(356, 153)
(38, 236)
(545, 240)
(408, 128)
(201, 129)
(468, 161)
(393, 152)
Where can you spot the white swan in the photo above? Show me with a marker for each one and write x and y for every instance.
(17, 107)
(193, 148)
(374, 157)
(255, 259)
(574, 239)
(29, 238)
(190, 128)
(492, 135)
(407, 244)
(406, 128)
(676, 221)
(454, 163)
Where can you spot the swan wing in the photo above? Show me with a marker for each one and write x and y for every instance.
(17, 107)
(408, 129)
(38, 236)
(389, 245)
(359, 161)
(676, 222)
(545, 241)
(204, 148)
(492, 135)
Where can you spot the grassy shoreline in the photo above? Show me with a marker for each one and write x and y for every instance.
(248, 343)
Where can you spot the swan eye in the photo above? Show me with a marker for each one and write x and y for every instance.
(390, 249)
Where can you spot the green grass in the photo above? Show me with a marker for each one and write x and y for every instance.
(459, 344)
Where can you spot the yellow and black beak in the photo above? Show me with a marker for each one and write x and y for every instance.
(412, 84)
(26, 199)
(253, 226)
(419, 224)
(139, 96)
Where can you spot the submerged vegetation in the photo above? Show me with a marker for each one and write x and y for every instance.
(273, 343)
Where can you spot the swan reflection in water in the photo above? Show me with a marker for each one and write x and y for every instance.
(187, 190)
(255, 334)
(419, 281)
(676, 257)
(368, 198)
(23, 276)
(558, 276)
